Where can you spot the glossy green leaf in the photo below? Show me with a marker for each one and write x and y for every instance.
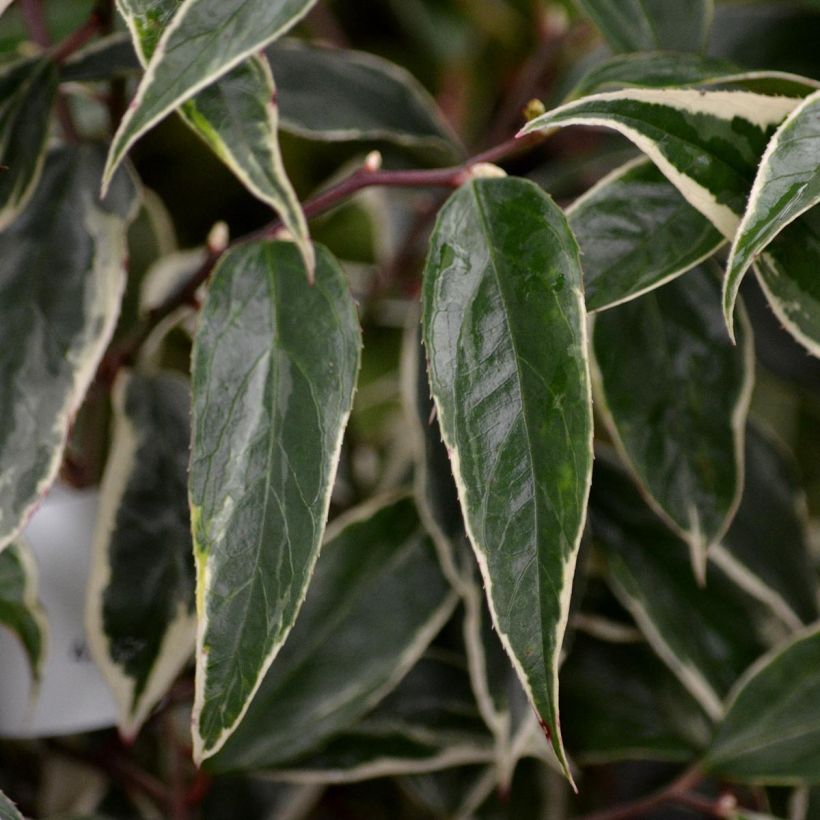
(429, 722)
(334, 94)
(237, 117)
(771, 730)
(141, 635)
(27, 92)
(706, 143)
(787, 184)
(8, 811)
(766, 550)
(378, 568)
(274, 367)
(659, 69)
(203, 40)
(51, 339)
(505, 334)
(680, 431)
(621, 703)
(646, 25)
(636, 232)
(708, 635)
(20, 609)
(107, 57)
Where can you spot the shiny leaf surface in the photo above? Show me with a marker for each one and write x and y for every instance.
(636, 232)
(203, 40)
(680, 431)
(377, 568)
(645, 25)
(20, 609)
(335, 94)
(8, 811)
(706, 143)
(27, 91)
(505, 334)
(274, 368)
(51, 339)
(142, 634)
(771, 731)
(787, 184)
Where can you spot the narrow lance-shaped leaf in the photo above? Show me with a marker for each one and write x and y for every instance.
(336, 94)
(505, 334)
(52, 337)
(274, 368)
(104, 58)
(377, 568)
(204, 40)
(27, 92)
(707, 143)
(659, 69)
(8, 811)
(237, 117)
(771, 730)
(20, 609)
(681, 431)
(766, 550)
(787, 185)
(706, 636)
(141, 635)
(646, 25)
(636, 232)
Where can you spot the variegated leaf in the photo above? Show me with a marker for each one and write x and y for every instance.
(707, 143)
(274, 368)
(236, 116)
(505, 334)
(203, 40)
(8, 811)
(681, 430)
(27, 92)
(20, 609)
(141, 635)
(636, 232)
(378, 568)
(787, 184)
(52, 339)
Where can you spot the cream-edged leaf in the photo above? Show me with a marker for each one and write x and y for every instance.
(203, 40)
(505, 335)
(787, 184)
(274, 368)
(52, 338)
(142, 634)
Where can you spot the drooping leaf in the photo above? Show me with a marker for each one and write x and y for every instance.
(274, 367)
(20, 609)
(107, 57)
(505, 334)
(52, 338)
(8, 811)
(708, 635)
(377, 568)
(237, 117)
(429, 722)
(203, 40)
(766, 550)
(771, 730)
(636, 232)
(675, 392)
(647, 25)
(335, 94)
(659, 69)
(27, 91)
(142, 634)
(706, 143)
(787, 184)
(622, 703)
